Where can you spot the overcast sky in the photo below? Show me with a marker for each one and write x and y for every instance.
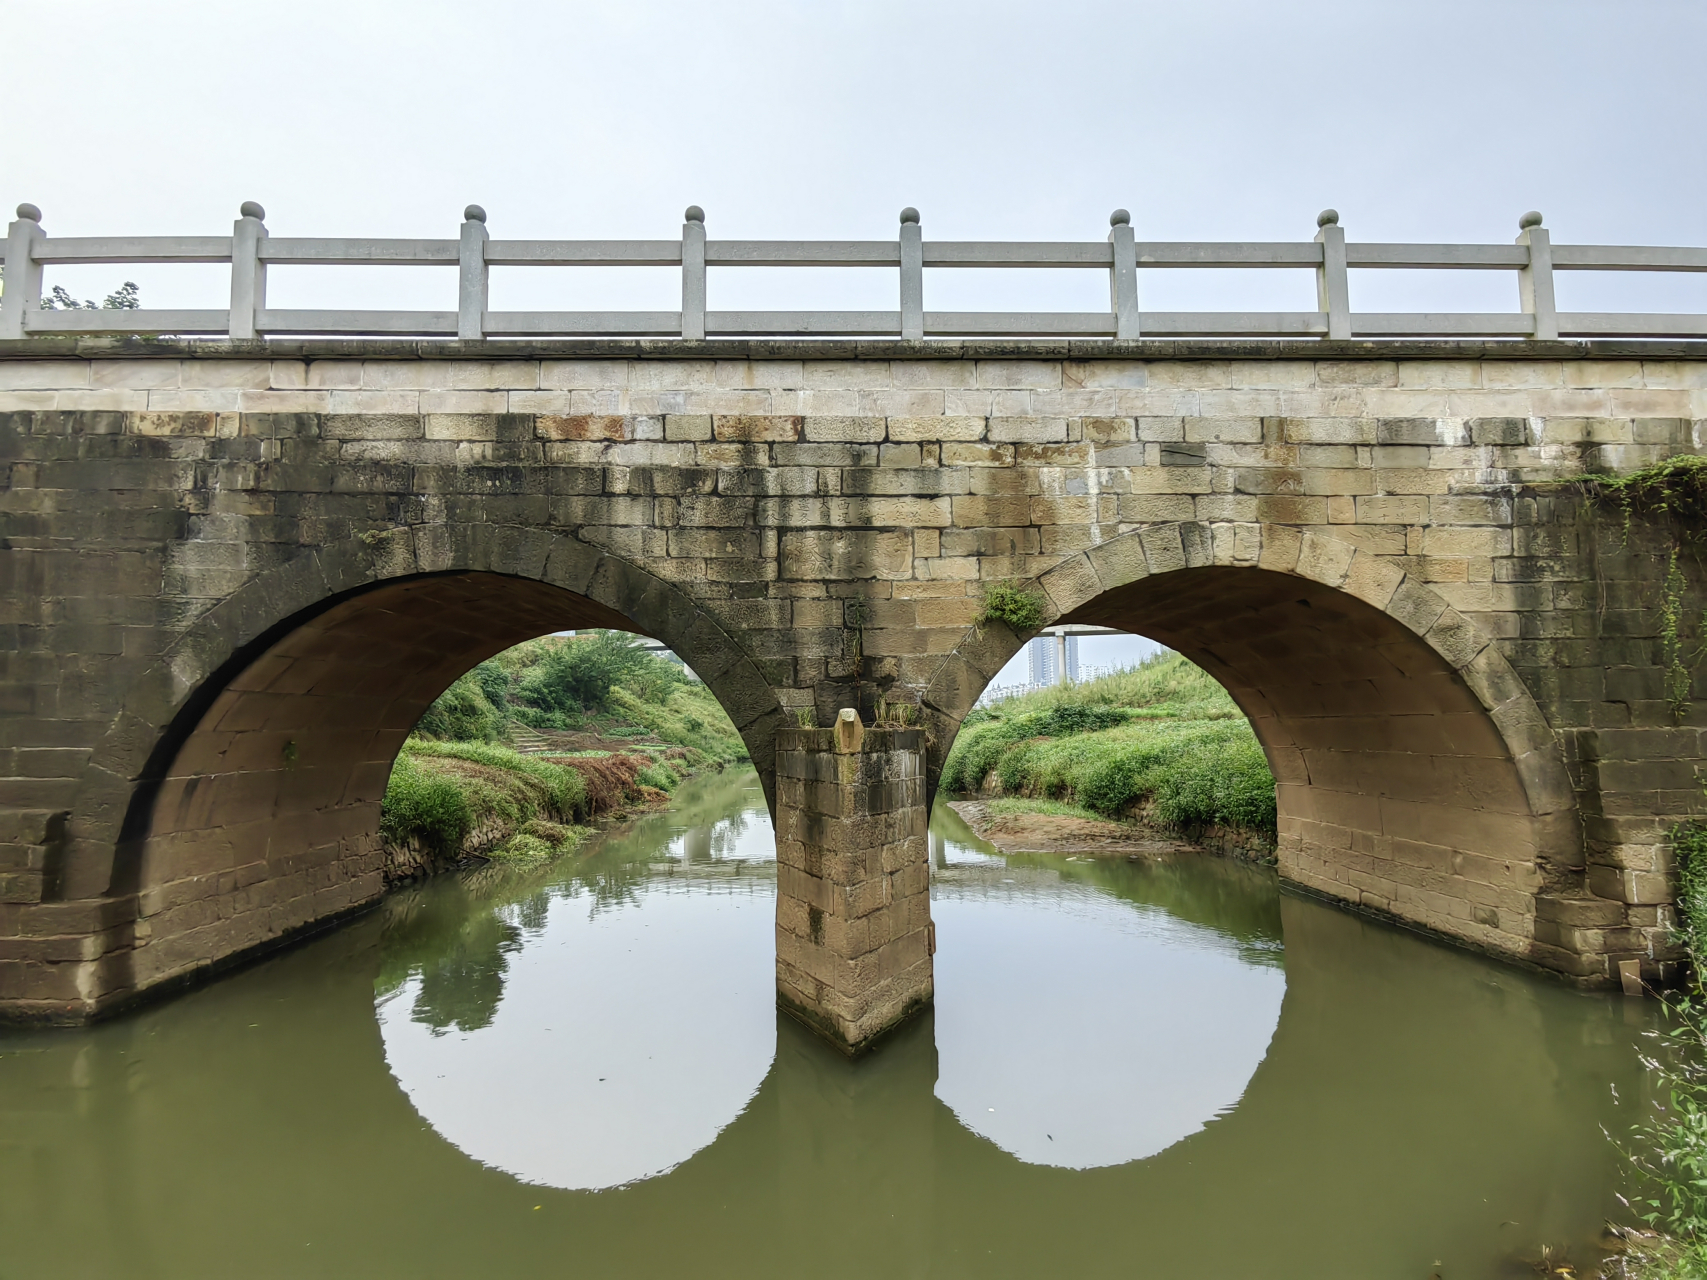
(1214, 119)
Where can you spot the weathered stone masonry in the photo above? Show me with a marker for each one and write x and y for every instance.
(232, 579)
(853, 927)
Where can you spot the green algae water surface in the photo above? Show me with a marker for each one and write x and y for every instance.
(1132, 1068)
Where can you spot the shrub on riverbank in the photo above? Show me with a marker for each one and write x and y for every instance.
(456, 789)
(687, 716)
(1669, 1151)
(451, 798)
(1163, 736)
(597, 683)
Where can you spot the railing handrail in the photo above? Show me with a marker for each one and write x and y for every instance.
(251, 250)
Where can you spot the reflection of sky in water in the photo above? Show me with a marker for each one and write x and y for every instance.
(635, 1027)
(633, 1009)
(1077, 1028)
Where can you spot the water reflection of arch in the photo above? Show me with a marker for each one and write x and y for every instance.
(236, 797)
(1405, 1084)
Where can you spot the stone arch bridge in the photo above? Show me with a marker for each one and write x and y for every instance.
(232, 582)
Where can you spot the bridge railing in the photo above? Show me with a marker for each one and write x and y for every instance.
(250, 250)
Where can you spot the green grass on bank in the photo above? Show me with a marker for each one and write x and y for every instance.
(689, 717)
(457, 781)
(442, 793)
(1163, 735)
(598, 682)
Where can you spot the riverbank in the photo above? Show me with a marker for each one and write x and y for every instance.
(1026, 826)
(1159, 756)
(526, 755)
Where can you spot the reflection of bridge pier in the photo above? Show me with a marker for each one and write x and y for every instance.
(696, 845)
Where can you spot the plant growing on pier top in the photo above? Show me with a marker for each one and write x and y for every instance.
(1021, 608)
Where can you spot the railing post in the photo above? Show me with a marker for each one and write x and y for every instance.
(1333, 290)
(1123, 275)
(1535, 282)
(23, 272)
(248, 273)
(912, 277)
(472, 276)
(693, 274)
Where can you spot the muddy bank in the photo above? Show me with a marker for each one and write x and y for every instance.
(1061, 833)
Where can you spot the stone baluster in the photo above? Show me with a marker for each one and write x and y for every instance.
(23, 272)
(1123, 275)
(1535, 282)
(693, 274)
(912, 276)
(1333, 289)
(473, 276)
(248, 273)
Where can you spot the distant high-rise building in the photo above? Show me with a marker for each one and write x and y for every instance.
(1042, 654)
(1073, 658)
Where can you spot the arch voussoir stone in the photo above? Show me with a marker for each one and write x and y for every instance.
(1070, 583)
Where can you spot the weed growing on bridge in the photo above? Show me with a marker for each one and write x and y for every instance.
(1672, 492)
(889, 714)
(1020, 607)
(1678, 676)
(1672, 489)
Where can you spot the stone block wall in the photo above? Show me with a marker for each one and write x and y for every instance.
(812, 525)
(853, 923)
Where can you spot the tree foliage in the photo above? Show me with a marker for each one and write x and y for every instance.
(463, 713)
(575, 676)
(127, 297)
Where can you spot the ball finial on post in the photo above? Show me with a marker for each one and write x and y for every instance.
(1120, 218)
(29, 213)
(693, 213)
(1528, 220)
(474, 213)
(252, 209)
(910, 214)
(1328, 218)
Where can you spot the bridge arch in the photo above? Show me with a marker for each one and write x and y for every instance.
(236, 797)
(1415, 775)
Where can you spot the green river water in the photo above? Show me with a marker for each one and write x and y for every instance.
(1133, 1069)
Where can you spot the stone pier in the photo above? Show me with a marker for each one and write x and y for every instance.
(854, 938)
